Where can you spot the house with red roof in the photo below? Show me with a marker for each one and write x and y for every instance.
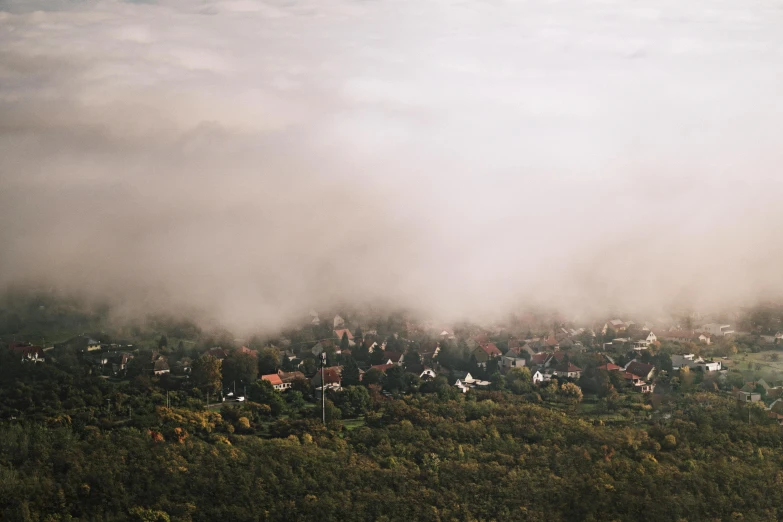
(344, 331)
(332, 377)
(276, 382)
(491, 350)
(609, 367)
(248, 351)
(27, 352)
(541, 359)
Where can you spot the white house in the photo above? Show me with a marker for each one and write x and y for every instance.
(467, 382)
(338, 322)
(690, 360)
(709, 366)
(540, 377)
(428, 373)
(512, 362)
(717, 329)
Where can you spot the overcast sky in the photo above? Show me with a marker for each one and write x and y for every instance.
(259, 158)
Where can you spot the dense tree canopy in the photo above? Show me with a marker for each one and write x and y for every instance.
(207, 373)
(240, 367)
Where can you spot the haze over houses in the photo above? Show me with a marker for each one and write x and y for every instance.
(401, 355)
(717, 329)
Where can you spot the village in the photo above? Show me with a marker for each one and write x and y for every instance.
(603, 360)
(372, 400)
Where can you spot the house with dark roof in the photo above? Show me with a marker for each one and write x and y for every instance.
(218, 353)
(424, 372)
(641, 370)
(160, 366)
(569, 370)
(395, 357)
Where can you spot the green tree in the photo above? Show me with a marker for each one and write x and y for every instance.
(519, 380)
(395, 379)
(295, 400)
(240, 367)
(264, 393)
(268, 361)
(207, 373)
(352, 401)
(163, 342)
(350, 375)
(138, 365)
(344, 342)
(360, 352)
(378, 356)
(141, 514)
(13, 323)
(498, 381)
(372, 376)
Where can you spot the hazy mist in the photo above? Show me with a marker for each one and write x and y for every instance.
(258, 159)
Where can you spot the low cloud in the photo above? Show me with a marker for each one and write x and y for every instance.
(255, 159)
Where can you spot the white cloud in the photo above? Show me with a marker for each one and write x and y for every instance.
(458, 156)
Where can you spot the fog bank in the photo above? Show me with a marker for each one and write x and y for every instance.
(256, 159)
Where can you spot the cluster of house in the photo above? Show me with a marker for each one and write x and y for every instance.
(640, 337)
(694, 362)
(546, 356)
(465, 381)
(332, 375)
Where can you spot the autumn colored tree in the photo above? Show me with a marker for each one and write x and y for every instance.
(571, 393)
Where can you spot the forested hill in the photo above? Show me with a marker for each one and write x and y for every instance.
(484, 456)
